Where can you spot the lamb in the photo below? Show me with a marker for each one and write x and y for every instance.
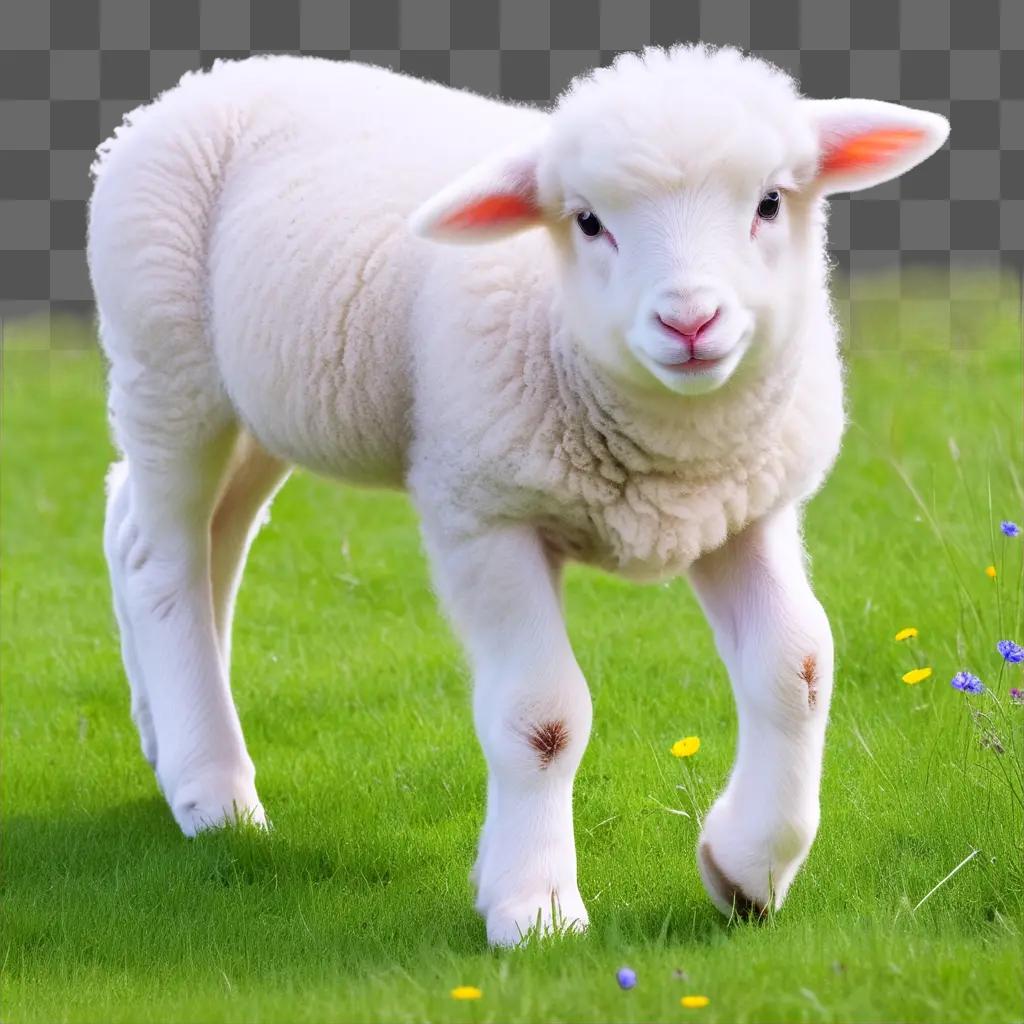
(636, 368)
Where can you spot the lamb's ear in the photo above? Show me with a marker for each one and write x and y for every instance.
(497, 197)
(866, 142)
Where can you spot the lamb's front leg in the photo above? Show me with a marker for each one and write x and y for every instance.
(532, 712)
(774, 638)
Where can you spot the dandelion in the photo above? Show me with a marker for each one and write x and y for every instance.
(626, 977)
(1011, 652)
(694, 1002)
(466, 992)
(916, 675)
(990, 571)
(686, 747)
(1009, 529)
(906, 634)
(1016, 695)
(968, 682)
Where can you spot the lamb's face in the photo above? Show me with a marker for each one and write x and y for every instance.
(683, 190)
(675, 287)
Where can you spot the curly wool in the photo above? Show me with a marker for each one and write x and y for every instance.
(248, 228)
(530, 429)
(671, 104)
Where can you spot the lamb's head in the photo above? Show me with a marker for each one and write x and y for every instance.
(683, 190)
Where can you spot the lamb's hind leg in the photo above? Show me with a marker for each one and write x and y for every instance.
(774, 637)
(161, 571)
(117, 538)
(253, 479)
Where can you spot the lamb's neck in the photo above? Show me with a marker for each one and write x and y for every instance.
(693, 435)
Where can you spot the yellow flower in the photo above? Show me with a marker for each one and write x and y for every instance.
(466, 992)
(694, 1002)
(916, 675)
(686, 747)
(906, 634)
(990, 572)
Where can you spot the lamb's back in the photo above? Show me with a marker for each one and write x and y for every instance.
(282, 193)
(313, 270)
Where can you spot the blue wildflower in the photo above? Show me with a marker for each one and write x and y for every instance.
(1011, 651)
(1009, 529)
(626, 977)
(968, 682)
(1017, 696)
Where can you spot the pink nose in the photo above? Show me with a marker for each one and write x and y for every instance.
(690, 329)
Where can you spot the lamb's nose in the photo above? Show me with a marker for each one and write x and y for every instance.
(689, 328)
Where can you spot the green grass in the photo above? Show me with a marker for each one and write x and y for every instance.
(355, 704)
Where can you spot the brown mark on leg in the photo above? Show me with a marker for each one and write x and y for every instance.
(549, 739)
(727, 888)
(809, 674)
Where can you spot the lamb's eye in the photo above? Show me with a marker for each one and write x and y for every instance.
(768, 208)
(589, 224)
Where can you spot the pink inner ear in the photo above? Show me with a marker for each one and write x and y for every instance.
(490, 211)
(869, 149)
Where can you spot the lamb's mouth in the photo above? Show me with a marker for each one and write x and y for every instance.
(692, 366)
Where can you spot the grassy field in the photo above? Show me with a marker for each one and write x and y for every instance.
(355, 703)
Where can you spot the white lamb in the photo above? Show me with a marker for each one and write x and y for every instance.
(639, 372)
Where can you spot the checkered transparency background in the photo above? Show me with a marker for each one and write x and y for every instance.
(69, 69)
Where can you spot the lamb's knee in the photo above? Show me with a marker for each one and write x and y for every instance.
(125, 547)
(799, 674)
(809, 677)
(811, 664)
(549, 739)
(157, 573)
(538, 737)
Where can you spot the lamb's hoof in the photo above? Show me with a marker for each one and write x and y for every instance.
(726, 893)
(746, 871)
(215, 799)
(513, 922)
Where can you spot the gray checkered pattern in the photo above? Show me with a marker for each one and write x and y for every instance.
(69, 70)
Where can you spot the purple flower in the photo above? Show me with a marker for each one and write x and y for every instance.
(1017, 696)
(1009, 529)
(1011, 651)
(626, 977)
(968, 682)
